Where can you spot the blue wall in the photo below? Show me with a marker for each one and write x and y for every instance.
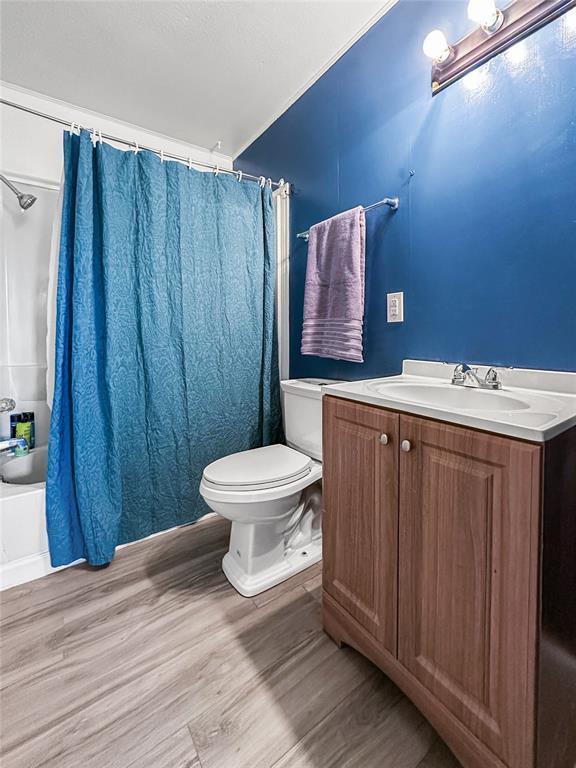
(484, 243)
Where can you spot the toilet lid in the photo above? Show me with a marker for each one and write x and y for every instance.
(267, 467)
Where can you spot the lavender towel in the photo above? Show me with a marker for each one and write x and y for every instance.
(334, 290)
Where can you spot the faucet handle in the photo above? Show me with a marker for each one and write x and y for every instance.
(460, 372)
(7, 404)
(493, 379)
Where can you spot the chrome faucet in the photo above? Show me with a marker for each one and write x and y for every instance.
(8, 443)
(7, 404)
(465, 376)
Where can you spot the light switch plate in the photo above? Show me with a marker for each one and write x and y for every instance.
(395, 307)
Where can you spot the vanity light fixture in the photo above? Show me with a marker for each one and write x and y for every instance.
(497, 30)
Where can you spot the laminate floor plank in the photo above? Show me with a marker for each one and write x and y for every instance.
(156, 662)
(177, 751)
(27, 651)
(375, 725)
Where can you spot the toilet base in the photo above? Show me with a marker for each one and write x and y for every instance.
(250, 585)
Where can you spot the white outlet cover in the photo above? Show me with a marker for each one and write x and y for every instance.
(395, 307)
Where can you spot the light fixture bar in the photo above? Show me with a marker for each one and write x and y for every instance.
(521, 18)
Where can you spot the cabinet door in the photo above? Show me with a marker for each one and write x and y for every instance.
(360, 520)
(469, 507)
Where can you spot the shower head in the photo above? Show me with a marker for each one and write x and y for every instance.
(25, 200)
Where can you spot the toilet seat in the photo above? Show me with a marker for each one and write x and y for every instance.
(258, 469)
(221, 494)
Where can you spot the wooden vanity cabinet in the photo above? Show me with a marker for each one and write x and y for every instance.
(432, 541)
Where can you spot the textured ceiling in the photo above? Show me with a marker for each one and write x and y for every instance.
(198, 71)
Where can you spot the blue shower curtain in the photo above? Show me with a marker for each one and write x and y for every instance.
(165, 343)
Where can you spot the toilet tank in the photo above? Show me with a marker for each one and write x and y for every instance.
(302, 414)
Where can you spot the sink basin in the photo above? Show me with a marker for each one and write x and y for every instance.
(532, 405)
(451, 396)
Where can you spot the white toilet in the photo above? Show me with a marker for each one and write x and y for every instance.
(273, 496)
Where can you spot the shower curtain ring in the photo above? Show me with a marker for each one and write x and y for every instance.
(93, 138)
(270, 183)
(261, 182)
(100, 136)
(161, 155)
(136, 148)
(72, 128)
(216, 170)
(239, 175)
(189, 163)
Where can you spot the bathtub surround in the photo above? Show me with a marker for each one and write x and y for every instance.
(25, 240)
(483, 244)
(164, 274)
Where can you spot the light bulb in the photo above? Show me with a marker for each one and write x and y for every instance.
(436, 46)
(485, 13)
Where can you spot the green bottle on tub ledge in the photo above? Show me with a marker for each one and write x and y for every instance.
(22, 425)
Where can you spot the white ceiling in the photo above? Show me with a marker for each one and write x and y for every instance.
(199, 71)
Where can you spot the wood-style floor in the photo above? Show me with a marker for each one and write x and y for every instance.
(156, 662)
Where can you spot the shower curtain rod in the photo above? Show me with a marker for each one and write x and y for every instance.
(240, 174)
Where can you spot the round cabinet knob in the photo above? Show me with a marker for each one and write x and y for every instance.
(384, 438)
(406, 445)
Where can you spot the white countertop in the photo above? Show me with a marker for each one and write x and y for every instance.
(532, 405)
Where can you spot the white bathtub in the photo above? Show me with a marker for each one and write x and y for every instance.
(23, 539)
